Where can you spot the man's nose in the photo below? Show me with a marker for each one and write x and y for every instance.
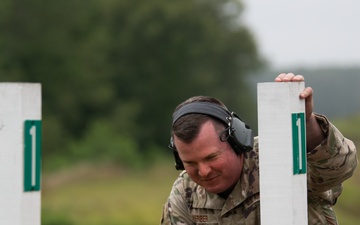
(203, 169)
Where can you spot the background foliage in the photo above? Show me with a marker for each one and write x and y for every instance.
(119, 68)
(112, 71)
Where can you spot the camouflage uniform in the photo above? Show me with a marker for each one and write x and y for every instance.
(329, 165)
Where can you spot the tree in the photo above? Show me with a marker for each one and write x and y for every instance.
(165, 51)
(125, 62)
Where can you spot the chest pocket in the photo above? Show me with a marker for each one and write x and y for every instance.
(247, 213)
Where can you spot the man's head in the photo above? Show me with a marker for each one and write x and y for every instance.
(200, 133)
(187, 127)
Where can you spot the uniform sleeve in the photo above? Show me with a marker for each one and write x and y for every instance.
(175, 210)
(332, 162)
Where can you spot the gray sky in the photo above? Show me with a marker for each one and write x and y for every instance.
(306, 32)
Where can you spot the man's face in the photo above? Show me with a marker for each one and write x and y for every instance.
(210, 162)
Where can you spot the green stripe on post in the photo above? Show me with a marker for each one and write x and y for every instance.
(32, 155)
(299, 143)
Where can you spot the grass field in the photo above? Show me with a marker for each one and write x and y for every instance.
(348, 205)
(109, 195)
(106, 195)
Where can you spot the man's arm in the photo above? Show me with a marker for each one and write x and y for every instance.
(331, 157)
(333, 160)
(173, 214)
(175, 210)
(314, 134)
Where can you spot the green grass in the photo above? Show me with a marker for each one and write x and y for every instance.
(106, 195)
(348, 204)
(109, 195)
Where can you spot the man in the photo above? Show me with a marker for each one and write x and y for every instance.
(220, 181)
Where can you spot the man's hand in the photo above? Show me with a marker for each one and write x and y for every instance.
(306, 94)
(314, 133)
(289, 77)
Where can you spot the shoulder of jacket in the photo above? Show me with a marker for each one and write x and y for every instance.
(184, 181)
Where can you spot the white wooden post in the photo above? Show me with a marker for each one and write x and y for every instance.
(282, 153)
(20, 153)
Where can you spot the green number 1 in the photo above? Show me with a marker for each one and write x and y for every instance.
(32, 155)
(299, 143)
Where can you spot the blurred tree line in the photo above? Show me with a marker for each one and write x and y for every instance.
(112, 71)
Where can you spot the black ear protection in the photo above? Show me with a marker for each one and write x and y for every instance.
(236, 132)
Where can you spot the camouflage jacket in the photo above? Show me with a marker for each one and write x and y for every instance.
(329, 165)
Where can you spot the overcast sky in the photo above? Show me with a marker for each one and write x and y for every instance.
(306, 32)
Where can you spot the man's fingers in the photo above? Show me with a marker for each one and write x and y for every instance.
(280, 77)
(289, 77)
(307, 92)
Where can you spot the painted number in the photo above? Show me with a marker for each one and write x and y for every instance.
(32, 155)
(298, 124)
(299, 143)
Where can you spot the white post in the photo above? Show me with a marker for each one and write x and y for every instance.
(282, 153)
(20, 153)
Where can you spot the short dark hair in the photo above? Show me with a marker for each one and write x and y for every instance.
(187, 127)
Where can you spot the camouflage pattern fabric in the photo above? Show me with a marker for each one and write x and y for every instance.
(329, 164)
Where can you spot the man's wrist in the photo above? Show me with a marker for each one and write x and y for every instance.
(323, 123)
(317, 127)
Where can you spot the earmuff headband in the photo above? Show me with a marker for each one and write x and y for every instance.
(202, 108)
